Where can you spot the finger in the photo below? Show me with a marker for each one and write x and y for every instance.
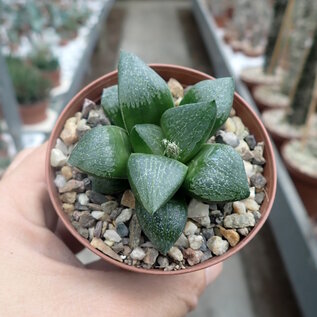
(23, 189)
(17, 160)
(151, 295)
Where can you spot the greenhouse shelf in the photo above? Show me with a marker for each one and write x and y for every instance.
(292, 228)
(85, 43)
(75, 61)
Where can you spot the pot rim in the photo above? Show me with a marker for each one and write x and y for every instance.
(194, 75)
(293, 169)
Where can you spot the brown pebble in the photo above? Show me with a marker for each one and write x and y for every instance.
(73, 185)
(69, 133)
(193, 256)
(69, 197)
(67, 172)
(101, 246)
(230, 235)
(68, 208)
(128, 199)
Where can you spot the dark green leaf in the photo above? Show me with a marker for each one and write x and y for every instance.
(221, 90)
(147, 138)
(154, 179)
(110, 104)
(143, 94)
(189, 127)
(217, 174)
(109, 186)
(165, 226)
(103, 152)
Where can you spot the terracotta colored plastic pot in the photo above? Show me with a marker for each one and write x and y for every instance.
(278, 138)
(263, 103)
(305, 184)
(257, 79)
(221, 20)
(53, 77)
(34, 113)
(185, 76)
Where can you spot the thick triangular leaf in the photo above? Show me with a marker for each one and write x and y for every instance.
(217, 174)
(189, 127)
(109, 186)
(165, 226)
(110, 104)
(103, 152)
(147, 138)
(221, 90)
(143, 94)
(154, 179)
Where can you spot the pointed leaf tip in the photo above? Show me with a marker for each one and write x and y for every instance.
(217, 174)
(102, 152)
(154, 179)
(165, 226)
(221, 90)
(143, 94)
(189, 127)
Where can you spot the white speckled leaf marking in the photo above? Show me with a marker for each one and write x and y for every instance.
(189, 126)
(103, 152)
(221, 90)
(154, 179)
(143, 94)
(147, 138)
(165, 226)
(217, 173)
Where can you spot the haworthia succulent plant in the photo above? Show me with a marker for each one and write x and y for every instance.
(165, 226)
(220, 90)
(110, 104)
(169, 146)
(143, 94)
(109, 186)
(189, 127)
(154, 179)
(147, 138)
(102, 152)
(217, 174)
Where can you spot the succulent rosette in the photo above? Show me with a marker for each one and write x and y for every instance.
(160, 150)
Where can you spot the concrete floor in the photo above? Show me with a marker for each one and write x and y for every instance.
(253, 282)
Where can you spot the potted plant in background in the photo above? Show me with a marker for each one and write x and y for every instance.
(285, 125)
(269, 74)
(67, 28)
(297, 46)
(43, 59)
(138, 192)
(300, 156)
(248, 28)
(31, 89)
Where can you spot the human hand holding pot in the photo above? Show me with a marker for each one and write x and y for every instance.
(41, 275)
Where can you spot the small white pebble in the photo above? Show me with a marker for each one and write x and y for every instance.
(137, 254)
(58, 158)
(112, 235)
(176, 254)
(190, 228)
(195, 242)
(97, 214)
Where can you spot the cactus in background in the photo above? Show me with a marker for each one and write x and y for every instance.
(304, 92)
(279, 10)
(305, 15)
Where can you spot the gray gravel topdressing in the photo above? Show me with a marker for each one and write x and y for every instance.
(110, 224)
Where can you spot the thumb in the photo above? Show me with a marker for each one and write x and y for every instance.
(156, 296)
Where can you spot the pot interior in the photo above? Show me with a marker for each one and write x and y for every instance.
(186, 77)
